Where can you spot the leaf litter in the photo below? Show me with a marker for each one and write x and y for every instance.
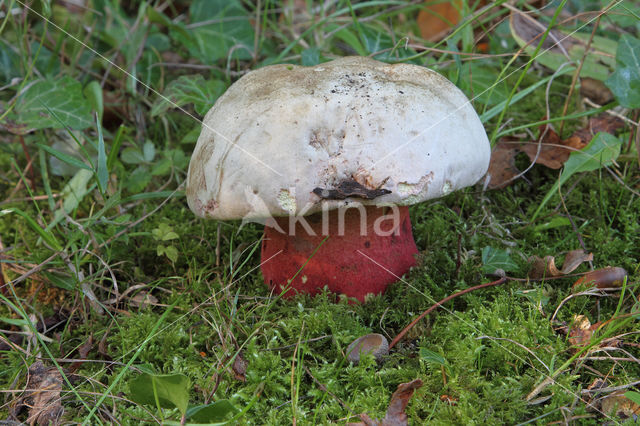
(551, 151)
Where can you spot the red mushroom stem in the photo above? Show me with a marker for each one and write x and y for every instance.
(367, 249)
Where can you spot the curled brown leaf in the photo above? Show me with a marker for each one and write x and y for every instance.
(608, 277)
(546, 267)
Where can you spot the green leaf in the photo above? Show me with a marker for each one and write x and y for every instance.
(115, 147)
(601, 151)
(493, 259)
(352, 41)
(93, 93)
(66, 282)
(51, 104)
(132, 155)
(625, 81)
(310, 56)
(9, 63)
(138, 180)
(162, 167)
(432, 357)
(65, 158)
(148, 151)
(633, 396)
(597, 64)
(46, 235)
(172, 253)
(15, 321)
(102, 173)
(218, 29)
(479, 82)
(218, 411)
(189, 89)
(164, 391)
(73, 193)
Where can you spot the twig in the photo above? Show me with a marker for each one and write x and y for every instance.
(611, 389)
(440, 303)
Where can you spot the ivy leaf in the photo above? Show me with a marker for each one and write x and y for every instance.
(51, 104)
(215, 412)
(493, 259)
(219, 28)
(625, 80)
(603, 149)
(189, 89)
(165, 391)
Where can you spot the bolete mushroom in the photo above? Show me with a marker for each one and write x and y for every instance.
(329, 157)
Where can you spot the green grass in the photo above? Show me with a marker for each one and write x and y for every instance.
(94, 219)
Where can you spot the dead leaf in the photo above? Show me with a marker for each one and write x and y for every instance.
(435, 19)
(595, 90)
(395, 413)
(608, 277)
(616, 404)
(602, 123)
(451, 400)
(43, 395)
(546, 267)
(240, 367)
(83, 352)
(551, 151)
(143, 299)
(502, 167)
(581, 331)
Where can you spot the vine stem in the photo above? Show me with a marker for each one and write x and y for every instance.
(440, 303)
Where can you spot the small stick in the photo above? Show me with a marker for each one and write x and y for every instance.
(440, 303)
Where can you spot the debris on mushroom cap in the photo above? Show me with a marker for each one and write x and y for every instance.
(283, 133)
(373, 343)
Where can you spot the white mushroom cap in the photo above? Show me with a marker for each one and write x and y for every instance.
(282, 131)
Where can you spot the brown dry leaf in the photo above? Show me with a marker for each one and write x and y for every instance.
(395, 413)
(83, 352)
(143, 299)
(602, 123)
(616, 404)
(502, 167)
(553, 151)
(608, 277)
(595, 90)
(43, 396)
(240, 367)
(436, 19)
(581, 331)
(546, 267)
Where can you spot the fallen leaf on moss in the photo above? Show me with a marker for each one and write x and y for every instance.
(617, 404)
(608, 277)
(546, 267)
(240, 367)
(43, 396)
(595, 90)
(502, 168)
(395, 413)
(581, 331)
(83, 352)
(552, 151)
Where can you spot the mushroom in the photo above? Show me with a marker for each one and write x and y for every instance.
(329, 158)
